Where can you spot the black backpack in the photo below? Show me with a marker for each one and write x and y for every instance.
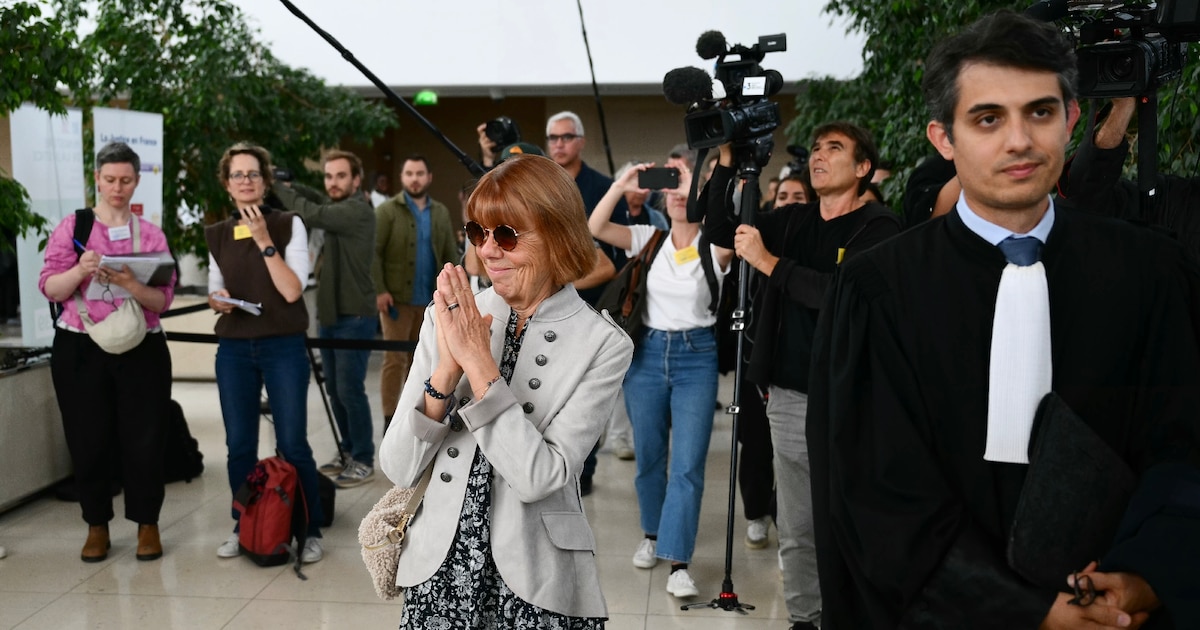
(182, 459)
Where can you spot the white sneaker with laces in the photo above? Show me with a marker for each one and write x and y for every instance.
(644, 557)
(334, 467)
(230, 548)
(312, 551)
(756, 532)
(680, 584)
(356, 474)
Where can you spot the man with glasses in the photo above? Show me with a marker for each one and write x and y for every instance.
(345, 304)
(414, 239)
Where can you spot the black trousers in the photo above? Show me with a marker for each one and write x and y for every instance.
(756, 470)
(114, 407)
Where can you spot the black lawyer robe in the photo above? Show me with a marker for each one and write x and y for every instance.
(911, 522)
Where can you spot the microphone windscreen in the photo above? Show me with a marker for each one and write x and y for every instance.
(710, 45)
(684, 86)
(1048, 10)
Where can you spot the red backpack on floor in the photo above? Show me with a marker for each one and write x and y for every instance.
(273, 512)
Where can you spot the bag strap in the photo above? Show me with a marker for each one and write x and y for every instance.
(710, 274)
(642, 262)
(414, 502)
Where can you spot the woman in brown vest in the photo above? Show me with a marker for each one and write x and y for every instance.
(260, 256)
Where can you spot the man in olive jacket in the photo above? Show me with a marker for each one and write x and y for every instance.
(414, 238)
(344, 308)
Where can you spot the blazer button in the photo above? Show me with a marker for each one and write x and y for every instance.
(540, 359)
(550, 336)
(456, 424)
(534, 383)
(462, 402)
(452, 452)
(446, 477)
(527, 407)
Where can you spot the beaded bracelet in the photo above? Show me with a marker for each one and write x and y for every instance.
(433, 393)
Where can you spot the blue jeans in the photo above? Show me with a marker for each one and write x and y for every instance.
(281, 363)
(345, 374)
(669, 393)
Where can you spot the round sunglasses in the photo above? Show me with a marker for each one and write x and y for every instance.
(505, 236)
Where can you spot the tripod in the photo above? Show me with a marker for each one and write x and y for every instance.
(751, 156)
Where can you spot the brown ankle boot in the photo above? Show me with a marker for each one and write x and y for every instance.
(149, 546)
(97, 545)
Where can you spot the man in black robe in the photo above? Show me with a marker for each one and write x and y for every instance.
(912, 521)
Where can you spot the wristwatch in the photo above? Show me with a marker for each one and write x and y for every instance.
(268, 251)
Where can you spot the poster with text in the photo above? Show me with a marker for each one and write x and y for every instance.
(143, 132)
(47, 154)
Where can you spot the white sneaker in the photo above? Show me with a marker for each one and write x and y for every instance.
(622, 448)
(680, 584)
(644, 557)
(334, 467)
(230, 548)
(3, 552)
(356, 474)
(756, 532)
(312, 551)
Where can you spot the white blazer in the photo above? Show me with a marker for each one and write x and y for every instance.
(536, 432)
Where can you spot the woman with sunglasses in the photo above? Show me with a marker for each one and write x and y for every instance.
(672, 384)
(508, 391)
(260, 256)
(113, 405)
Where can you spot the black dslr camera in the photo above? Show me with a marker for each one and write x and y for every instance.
(503, 131)
(1132, 49)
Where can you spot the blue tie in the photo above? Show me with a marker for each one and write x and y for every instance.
(1021, 250)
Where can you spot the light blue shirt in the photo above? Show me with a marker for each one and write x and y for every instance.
(425, 271)
(993, 233)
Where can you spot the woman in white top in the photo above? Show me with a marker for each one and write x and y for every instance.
(672, 383)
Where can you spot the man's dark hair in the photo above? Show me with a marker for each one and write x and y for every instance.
(1005, 39)
(864, 146)
(417, 157)
(118, 153)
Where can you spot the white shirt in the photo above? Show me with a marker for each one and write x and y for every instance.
(677, 295)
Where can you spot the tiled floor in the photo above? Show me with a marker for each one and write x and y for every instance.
(43, 584)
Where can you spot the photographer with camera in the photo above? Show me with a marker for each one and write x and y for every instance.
(797, 248)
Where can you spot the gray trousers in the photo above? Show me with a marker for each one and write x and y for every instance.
(786, 411)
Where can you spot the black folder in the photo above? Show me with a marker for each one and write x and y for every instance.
(1075, 493)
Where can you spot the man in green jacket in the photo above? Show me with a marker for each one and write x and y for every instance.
(414, 239)
(344, 308)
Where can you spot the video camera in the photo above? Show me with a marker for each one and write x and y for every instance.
(733, 108)
(1128, 48)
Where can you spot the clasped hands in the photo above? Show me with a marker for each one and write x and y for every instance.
(1122, 600)
(463, 334)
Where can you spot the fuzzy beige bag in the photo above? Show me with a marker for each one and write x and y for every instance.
(381, 533)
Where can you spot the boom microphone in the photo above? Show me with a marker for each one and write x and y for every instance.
(684, 86)
(711, 44)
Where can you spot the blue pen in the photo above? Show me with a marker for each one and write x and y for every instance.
(78, 244)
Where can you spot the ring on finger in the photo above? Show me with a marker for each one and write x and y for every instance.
(453, 306)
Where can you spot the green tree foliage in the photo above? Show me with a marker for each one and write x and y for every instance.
(39, 60)
(886, 96)
(203, 67)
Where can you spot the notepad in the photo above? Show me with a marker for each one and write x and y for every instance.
(254, 308)
(152, 269)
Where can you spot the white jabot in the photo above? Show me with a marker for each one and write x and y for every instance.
(1020, 371)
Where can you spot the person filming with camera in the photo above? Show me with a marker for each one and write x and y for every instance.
(797, 248)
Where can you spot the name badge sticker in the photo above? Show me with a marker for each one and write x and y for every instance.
(686, 255)
(119, 233)
(240, 232)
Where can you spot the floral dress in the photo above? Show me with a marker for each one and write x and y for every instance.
(468, 591)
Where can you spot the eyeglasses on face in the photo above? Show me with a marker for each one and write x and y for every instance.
(505, 236)
(240, 177)
(566, 137)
